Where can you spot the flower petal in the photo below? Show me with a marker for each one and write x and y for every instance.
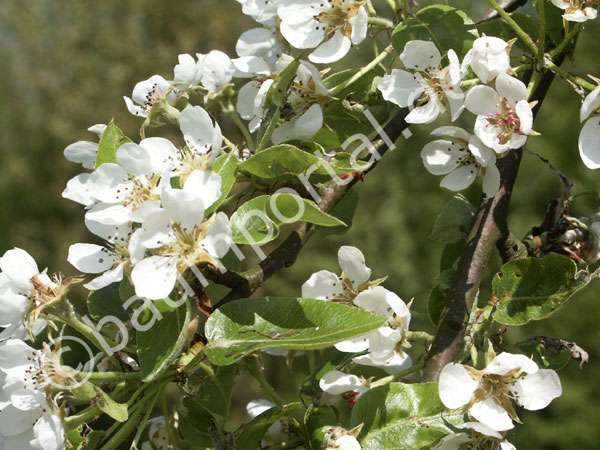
(354, 345)
(460, 178)
(154, 277)
(590, 104)
(331, 50)
(322, 285)
(336, 382)
(400, 87)
(456, 386)
(589, 143)
(420, 55)
(536, 390)
(352, 262)
(441, 157)
(505, 362)
(491, 414)
(91, 258)
(19, 267)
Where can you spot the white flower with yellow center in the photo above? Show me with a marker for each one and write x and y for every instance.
(482, 437)
(179, 236)
(461, 160)
(147, 93)
(488, 393)
(337, 385)
(489, 57)
(433, 88)
(504, 117)
(589, 138)
(331, 26)
(577, 10)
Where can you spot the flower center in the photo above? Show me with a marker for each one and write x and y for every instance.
(338, 16)
(506, 120)
(142, 190)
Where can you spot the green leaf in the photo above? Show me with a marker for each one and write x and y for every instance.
(277, 93)
(254, 431)
(280, 160)
(163, 340)
(247, 325)
(107, 302)
(403, 416)
(250, 223)
(448, 27)
(455, 221)
(285, 207)
(261, 221)
(111, 140)
(226, 166)
(213, 393)
(89, 392)
(532, 289)
(195, 424)
(318, 422)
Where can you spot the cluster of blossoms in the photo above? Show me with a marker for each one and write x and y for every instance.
(577, 10)
(384, 346)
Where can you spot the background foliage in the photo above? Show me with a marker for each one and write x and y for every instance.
(66, 65)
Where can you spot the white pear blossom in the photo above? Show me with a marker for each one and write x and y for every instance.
(488, 392)
(336, 384)
(589, 138)
(481, 437)
(303, 115)
(147, 93)
(128, 191)
(202, 136)
(461, 160)
(84, 152)
(330, 26)
(212, 71)
(504, 117)
(158, 435)
(577, 10)
(179, 236)
(489, 57)
(26, 419)
(325, 285)
(434, 89)
(24, 289)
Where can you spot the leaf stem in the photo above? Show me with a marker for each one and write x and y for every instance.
(567, 39)
(109, 376)
(270, 129)
(237, 120)
(381, 22)
(515, 26)
(548, 64)
(362, 72)
(253, 366)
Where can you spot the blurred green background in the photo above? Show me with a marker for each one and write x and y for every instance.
(66, 65)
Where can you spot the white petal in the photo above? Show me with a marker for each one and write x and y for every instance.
(491, 181)
(336, 382)
(460, 178)
(360, 25)
(381, 301)
(562, 4)
(347, 442)
(589, 143)
(185, 207)
(19, 266)
(134, 159)
(154, 277)
(13, 421)
(420, 55)
(491, 414)
(142, 213)
(525, 114)
(511, 88)
(218, 70)
(197, 128)
(261, 42)
(536, 390)
(12, 308)
(109, 183)
(109, 277)
(82, 152)
(426, 113)
(304, 34)
(13, 357)
(78, 191)
(28, 399)
(482, 100)
(49, 433)
(400, 87)
(456, 387)
(205, 184)
(91, 258)
(283, 133)
(331, 50)
(187, 71)
(505, 362)
(591, 103)
(156, 231)
(482, 153)
(309, 123)
(451, 131)
(109, 214)
(396, 364)
(250, 66)
(322, 285)
(258, 406)
(440, 157)
(352, 262)
(163, 153)
(245, 99)
(110, 233)
(482, 429)
(217, 241)
(353, 345)
(452, 441)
